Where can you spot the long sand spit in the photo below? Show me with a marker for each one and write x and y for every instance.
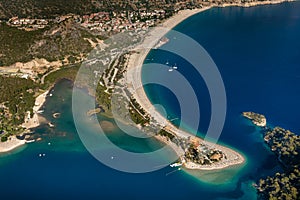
(135, 86)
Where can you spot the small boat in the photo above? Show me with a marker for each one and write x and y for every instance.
(175, 67)
(56, 115)
(29, 141)
(170, 69)
(51, 125)
(176, 164)
(167, 62)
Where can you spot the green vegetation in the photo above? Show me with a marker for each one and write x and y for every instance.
(103, 98)
(44, 8)
(68, 72)
(137, 113)
(203, 155)
(23, 46)
(68, 40)
(4, 138)
(286, 145)
(281, 186)
(121, 68)
(18, 96)
(165, 133)
(257, 119)
(285, 185)
(54, 8)
(15, 44)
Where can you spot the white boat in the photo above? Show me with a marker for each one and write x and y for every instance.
(170, 69)
(29, 141)
(51, 125)
(175, 67)
(176, 164)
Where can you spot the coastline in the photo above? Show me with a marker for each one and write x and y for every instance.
(233, 157)
(34, 121)
(134, 76)
(29, 122)
(63, 148)
(135, 86)
(11, 144)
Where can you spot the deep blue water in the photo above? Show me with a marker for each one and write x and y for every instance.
(256, 50)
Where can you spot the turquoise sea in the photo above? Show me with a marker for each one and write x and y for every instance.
(257, 52)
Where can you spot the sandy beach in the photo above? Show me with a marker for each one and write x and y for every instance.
(134, 84)
(32, 122)
(136, 60)
(11, 144)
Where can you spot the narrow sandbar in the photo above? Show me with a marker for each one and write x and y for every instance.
(135, 86)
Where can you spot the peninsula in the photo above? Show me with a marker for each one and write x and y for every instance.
(194, 153)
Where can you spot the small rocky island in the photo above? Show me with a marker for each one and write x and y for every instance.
(257, 119)
(286, 145)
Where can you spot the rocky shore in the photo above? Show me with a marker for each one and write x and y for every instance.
(257, 119)
(286, 145)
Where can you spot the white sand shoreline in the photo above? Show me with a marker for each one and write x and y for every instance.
(32, 122)
(135, 86)
(11, 144)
